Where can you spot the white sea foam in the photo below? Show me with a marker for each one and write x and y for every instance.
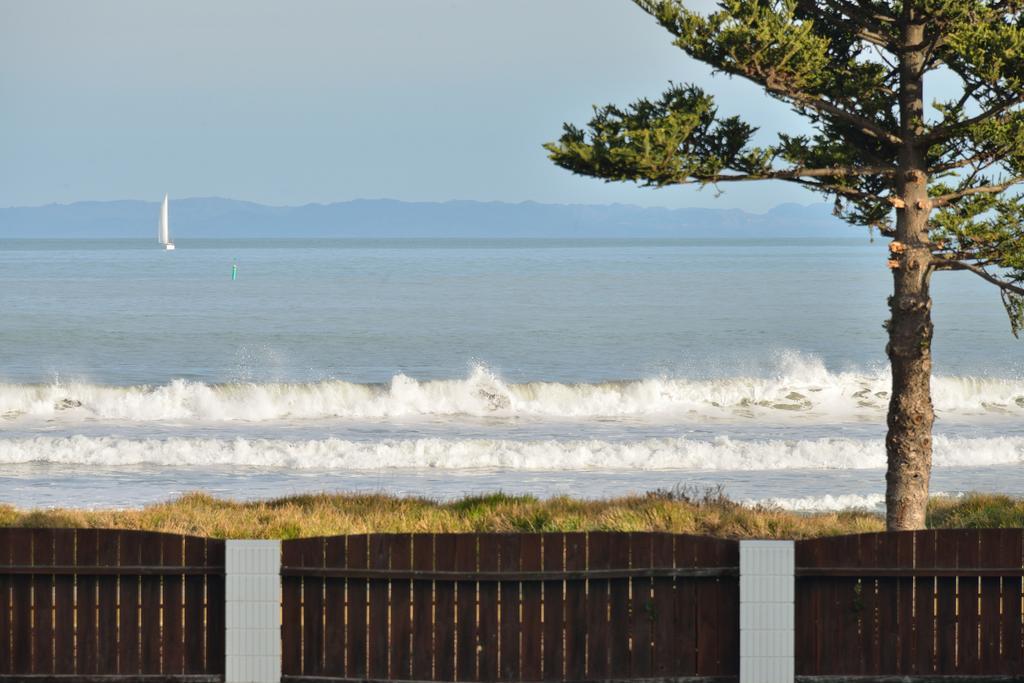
(802, 389)
(722, 453)
(874, 502)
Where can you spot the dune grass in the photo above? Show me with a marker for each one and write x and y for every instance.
(681, 511)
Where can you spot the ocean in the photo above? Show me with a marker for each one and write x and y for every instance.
(441, 368)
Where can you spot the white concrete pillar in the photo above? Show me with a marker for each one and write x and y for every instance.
(767, 578)
(252, 645)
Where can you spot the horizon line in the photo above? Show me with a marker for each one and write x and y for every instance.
(404, 201)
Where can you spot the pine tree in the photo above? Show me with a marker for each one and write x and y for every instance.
(939, 183)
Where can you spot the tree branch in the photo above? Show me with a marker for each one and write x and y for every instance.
(847, 192)
(798, 176)
(821, 105)
(946, 199)
(871, 25)
(985, 157)
(968, 93)
(792, 173)
(869, 30)
(947, 131)
(797, 98)
(944, 264)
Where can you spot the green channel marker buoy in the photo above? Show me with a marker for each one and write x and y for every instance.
(234, 272)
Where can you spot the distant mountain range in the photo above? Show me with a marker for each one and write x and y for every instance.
(228, 218)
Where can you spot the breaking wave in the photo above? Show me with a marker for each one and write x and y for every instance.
(804, 388)
(875, 502)
(722, 453)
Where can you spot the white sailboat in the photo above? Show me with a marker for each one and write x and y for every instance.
(162, 233)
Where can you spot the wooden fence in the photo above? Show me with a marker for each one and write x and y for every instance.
(91, 605)
(923, 604)
(80, 604)
(511, 607)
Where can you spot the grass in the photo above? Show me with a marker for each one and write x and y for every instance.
(976, 511)
(678, 510)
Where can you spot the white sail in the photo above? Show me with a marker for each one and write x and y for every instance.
(162, 229)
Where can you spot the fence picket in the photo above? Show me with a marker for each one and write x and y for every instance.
(377, 633)
(1010, 546)
(708, 596)
(598, 557)
(833, 605)
(42, 592)
(848, 603)
(888, 605)
(575, 608)
(554, 608)
(926, 642)
(21, 603)
(85, 604)
(444, 609)
(684, 608)
(898, 627)
(488, 619)
(618, 603)
(867, 614)
(990, 617)
(128, 611)
(64, 603)
(195, 556)
(663, 633)
(334, 609)
(401, 621)
(173, 635)
(422, 610)
(356, 558)
(108, 548)
(311, 554)
(806, 612)
(215, 607)
(5, 603)
(641, 606)
(728, 590)
(532, 626)
(465, 612)
(968, 657)
(508, 631)
(149, 625)
(945, 611)
(291, 617)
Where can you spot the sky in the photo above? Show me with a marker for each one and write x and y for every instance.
(330, 100)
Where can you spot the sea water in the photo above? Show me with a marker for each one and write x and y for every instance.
(444, 367)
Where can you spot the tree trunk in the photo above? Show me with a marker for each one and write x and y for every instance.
(909, 440)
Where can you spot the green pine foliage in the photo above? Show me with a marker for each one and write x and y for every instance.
(837, 63)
